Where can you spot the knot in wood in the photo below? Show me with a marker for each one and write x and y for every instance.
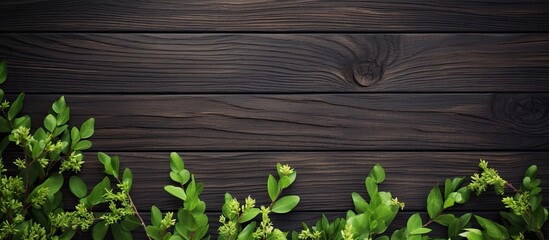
(527, 113)
(367, 73)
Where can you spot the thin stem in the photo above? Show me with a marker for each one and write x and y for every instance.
(136, 212)
(512, 187)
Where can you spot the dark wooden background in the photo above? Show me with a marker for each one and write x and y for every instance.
(425, 88)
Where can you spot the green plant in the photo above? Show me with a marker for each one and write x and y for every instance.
(31, 204)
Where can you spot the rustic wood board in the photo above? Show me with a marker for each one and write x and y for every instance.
(325, 179)
(275, 16)
(276, 63)
(311, 121)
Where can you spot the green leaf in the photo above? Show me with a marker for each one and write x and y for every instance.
(176, 192)
(63, 117)
(87, 128)
(454, 228)
(284, 182)
(50, 122)
(115, 163)
(187, 219)
(127, 176)
(449, 202)
(445, 219)
(448, 188)
(176, 163)
(272, 187)
(106, 160)
(285, 204)
(53, 183)
(75, 136)
(4, 125)
(472, 234)
(67, 234)
(154, 232)
(59, 105)
(493, 229)
(248, 215)
(3, 72)
(246, 233)
(130, 223)
(24, 121)
(360, 204)
(419, 231)
(119, 234)
(377, 173)
(99, 230)
(371, 187)
(96, 195)
(531, 171)
(156, 216)
(83, 145)
(414, 222)
(434, 202)
(78, 187)
(465, 194)
(16, 106)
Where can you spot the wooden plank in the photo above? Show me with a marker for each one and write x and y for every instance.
(325, 179)
(276, 63)
(275, 16)
(310, 122)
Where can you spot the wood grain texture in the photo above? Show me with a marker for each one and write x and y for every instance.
(275, 16)
(310, 122)
(275, 63)
(325, 179)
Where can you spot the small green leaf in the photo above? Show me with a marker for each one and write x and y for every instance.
(176, 192)
(414, 222)
(187, 219)
(3, 72)
(75, 136)
(16, 106)
(421, 230)
(377, 173)
(50, 122)
(59, 105)
(119, 234)
(445, 219)
(4, 125)
(156, 216)
(176, 163)
(434, 202)
(78, 187)
(115, 163)
(272, 187)
(246, 233)
(360, 204)
(449, 202)
(87, 128)
(83, 145)
(531, 171)
(285, 204)
(154, 232)
(130, 223)
(127, 176)
(371, 187)
(248, 215)
(99, 230)
(493, 229)
(96, 195)
(106, 160)
(24, 121)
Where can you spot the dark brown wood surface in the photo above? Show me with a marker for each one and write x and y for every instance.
(311, 121)
(279, 63)
(426, 88)
(275, 16)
